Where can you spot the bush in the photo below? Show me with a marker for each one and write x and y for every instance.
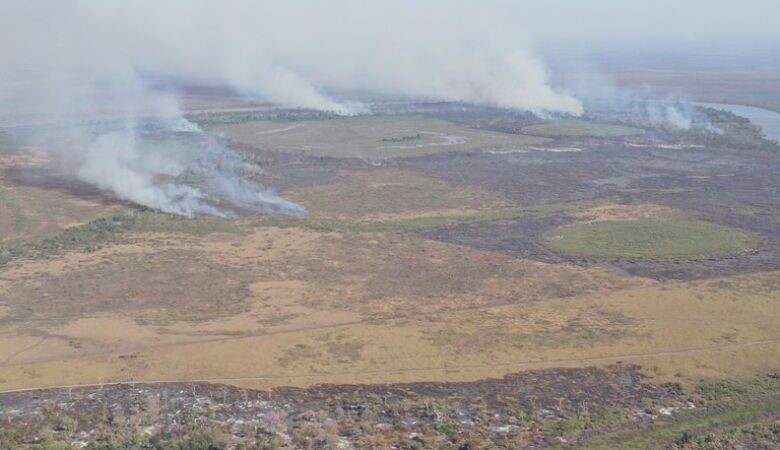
(722, 390)
(672, 387)
(198, 440)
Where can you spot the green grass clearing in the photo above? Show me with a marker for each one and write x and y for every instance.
(578, 128)
(649, 238)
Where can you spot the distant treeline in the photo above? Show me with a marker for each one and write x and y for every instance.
(205, 119)
(413, 137)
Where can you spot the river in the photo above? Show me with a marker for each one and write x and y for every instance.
(768, 120)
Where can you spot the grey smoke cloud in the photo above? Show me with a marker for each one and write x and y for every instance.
(75, 61)
(288, 51)
(83, 65)
(102, 123)
(141, 147)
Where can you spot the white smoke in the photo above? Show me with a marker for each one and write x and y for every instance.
(83, 66)
(112, 163)
(128, 162)
(678, 118)
(670, 113)
(287, 52)
(109, 129)
(600, 93)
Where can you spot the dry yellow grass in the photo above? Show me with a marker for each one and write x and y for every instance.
(687, 331)
(299, 307)
(616, 211)
(385, 195)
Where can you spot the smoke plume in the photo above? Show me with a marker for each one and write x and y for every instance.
(81, 68)
(287, 52)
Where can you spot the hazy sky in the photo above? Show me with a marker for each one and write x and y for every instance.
(70, 60)
(489, 51)
(688, 19)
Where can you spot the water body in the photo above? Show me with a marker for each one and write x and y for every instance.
(768, 120)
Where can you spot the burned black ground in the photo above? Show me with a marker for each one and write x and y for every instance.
(523, 410)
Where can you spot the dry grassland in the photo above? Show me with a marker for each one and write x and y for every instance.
(321, 307)
(294, 304)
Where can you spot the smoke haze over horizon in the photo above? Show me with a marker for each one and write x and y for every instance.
(283, 52)
(73, 59)
(290, 53)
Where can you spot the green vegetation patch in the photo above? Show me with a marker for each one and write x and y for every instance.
(649, 238)
(739, 412)
(586, 421)
(735, 390)
(578, 128)
(92, 235)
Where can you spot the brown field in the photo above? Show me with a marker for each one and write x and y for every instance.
(392, 194)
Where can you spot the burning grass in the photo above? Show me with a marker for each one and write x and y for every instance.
(649, 239)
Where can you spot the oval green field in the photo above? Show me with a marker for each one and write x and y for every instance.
(649, 239)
